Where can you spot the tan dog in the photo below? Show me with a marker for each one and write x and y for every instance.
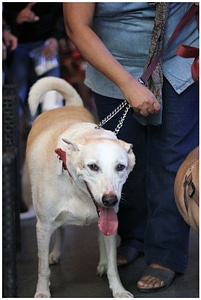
(77, 173)
(187, 189)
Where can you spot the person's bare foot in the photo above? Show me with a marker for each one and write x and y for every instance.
(151, 281)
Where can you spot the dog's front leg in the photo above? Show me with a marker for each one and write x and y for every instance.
(115, 284)
(43, 240)
(102, 265)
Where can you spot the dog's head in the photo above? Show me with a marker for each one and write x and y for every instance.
(100, 167)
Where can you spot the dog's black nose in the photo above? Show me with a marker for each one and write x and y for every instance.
(109, 200)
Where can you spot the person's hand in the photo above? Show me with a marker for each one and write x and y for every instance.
(27, 15)
(51, 48)
(10, 40)
(13, 42)
(4, 51)
(141, 99)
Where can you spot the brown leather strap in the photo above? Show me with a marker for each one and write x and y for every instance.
(190, 192)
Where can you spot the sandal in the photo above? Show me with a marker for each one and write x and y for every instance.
(127, 254)
(164, 275)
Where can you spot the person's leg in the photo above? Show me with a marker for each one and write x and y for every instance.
(167, 235)
(132, 212)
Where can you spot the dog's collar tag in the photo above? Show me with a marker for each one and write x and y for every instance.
(59, 166)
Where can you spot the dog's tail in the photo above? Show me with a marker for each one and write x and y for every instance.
(46, 84)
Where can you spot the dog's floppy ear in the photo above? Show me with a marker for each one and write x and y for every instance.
(72, 145)
(129, 148)
(131, 156)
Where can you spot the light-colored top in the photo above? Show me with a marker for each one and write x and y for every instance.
(126, 30)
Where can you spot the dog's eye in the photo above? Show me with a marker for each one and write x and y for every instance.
(93, 167)
(120, 167)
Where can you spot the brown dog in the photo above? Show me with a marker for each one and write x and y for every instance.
(186, 189)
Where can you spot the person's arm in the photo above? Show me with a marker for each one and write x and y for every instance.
(78, 19)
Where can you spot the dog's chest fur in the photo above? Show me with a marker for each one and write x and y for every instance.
(82, 217)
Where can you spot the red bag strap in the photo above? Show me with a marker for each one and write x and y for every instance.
(187, 51)
(190, 13)
(195, 70)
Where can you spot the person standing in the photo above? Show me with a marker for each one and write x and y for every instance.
(118, 40)
(36, 24)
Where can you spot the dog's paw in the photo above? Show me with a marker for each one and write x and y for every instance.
(45, 294)
(54, 258)
(101, 269)
(123, 294)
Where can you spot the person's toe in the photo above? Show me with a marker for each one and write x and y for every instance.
(155, 277)
(150, 282)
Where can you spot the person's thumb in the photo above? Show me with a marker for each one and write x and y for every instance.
(30, 5)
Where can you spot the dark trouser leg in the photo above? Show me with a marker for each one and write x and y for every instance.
(166, 239)
(132, 212)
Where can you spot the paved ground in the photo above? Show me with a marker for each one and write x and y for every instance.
(75, 276)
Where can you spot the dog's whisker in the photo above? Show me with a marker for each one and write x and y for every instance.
(123, 199)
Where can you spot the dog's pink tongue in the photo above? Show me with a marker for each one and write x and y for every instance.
(107, 221)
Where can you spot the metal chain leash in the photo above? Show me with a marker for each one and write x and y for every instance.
(121, 121)
(113, 113)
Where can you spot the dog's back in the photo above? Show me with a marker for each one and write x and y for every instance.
(66, 115)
